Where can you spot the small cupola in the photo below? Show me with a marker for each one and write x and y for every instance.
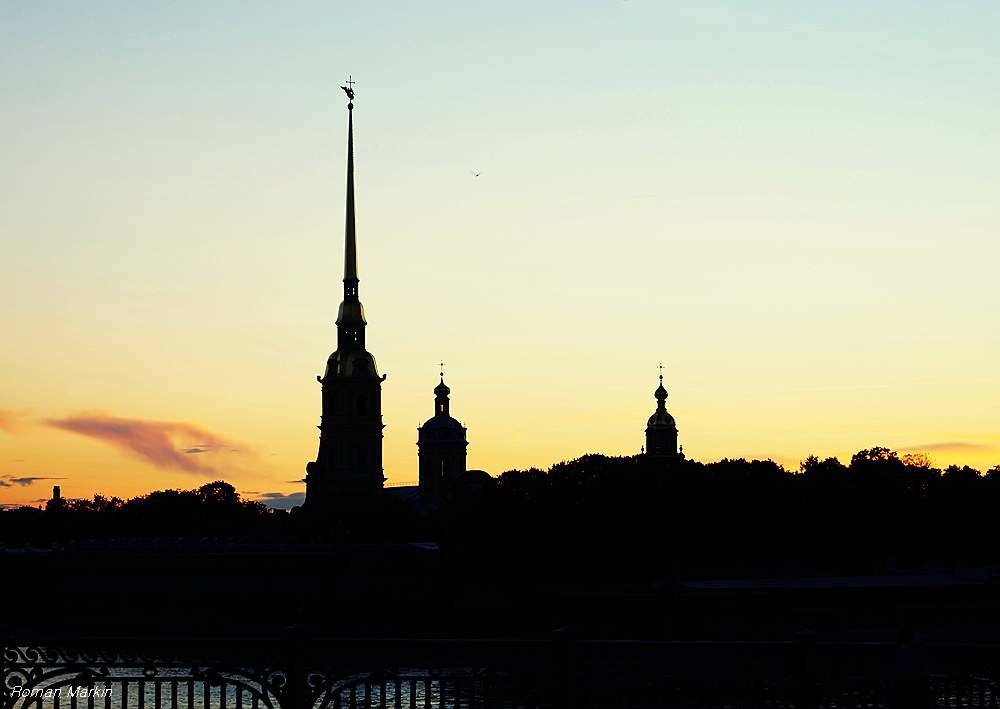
(441, 401)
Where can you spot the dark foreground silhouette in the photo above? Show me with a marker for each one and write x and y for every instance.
(598, 515)
(601, 582)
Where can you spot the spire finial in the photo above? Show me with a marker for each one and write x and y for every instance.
(661, 392)
(349, 90)
(441, 392)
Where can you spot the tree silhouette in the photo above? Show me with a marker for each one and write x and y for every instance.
(630, 516)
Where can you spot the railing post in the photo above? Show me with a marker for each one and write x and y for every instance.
(4, 644)
(297, 692)
(563, 682)
(912, 680)
(805, 685)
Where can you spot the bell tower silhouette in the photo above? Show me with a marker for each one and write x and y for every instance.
(661, 429)
(441, 444)
(349, 461)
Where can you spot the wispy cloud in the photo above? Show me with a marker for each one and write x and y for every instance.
(280, 500)
(11, 480)
(165, 444)
(948, 447)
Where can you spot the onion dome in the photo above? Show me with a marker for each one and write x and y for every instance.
(442, 419)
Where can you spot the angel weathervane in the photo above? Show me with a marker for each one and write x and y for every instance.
(349, 90)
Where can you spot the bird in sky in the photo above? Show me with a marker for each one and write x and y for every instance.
(349, 91)
(475, 174)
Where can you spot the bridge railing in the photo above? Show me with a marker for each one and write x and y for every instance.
(296, 672)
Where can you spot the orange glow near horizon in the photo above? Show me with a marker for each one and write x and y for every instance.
(733, 191)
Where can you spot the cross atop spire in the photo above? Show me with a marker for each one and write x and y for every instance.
(441, 365)
(349, 90)
(661, 372)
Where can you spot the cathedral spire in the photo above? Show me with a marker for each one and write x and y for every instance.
(351, 317)
(350, 237)
(349, 460)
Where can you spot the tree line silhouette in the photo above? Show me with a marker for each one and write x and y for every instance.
(880, 513)
(597, 515)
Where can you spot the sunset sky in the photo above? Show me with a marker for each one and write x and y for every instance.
(792, 205)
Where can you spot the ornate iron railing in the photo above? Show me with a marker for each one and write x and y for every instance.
(292, 673)
(455, 688)
(35, 677)
(59, 677)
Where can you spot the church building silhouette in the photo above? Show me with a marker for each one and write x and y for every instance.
(349, 461)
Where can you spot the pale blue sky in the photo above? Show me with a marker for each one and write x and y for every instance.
(788, 201)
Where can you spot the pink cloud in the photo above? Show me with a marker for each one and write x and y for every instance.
(11, 480)
(165, 444)
(949, 447)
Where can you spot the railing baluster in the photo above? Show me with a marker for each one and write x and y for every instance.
(173, 694)
(223, 694)
(381, 690)
(239, 697)
(413, 692)
(142, 694)
(368, 693)
(441, 692)
(206, 694)
(427, 693)
(190, 694)
(124, 694)
(397, 698)
(157, 693)
(108, 687)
